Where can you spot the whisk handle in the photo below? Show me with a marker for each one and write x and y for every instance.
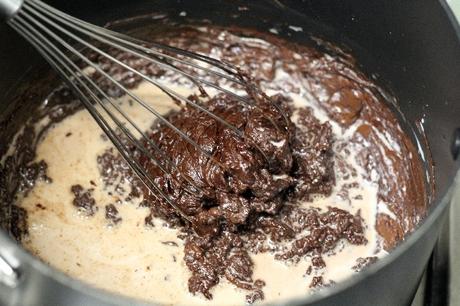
(8, 8)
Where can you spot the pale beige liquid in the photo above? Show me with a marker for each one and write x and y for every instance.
(130, 258)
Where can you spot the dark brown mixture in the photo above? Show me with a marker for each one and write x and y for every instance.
(362, 263)
(83, 200)
(246, 194)
(111, 214)
(237, 183)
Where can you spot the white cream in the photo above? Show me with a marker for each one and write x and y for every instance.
(130, 258)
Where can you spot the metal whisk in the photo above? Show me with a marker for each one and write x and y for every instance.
(54, 34)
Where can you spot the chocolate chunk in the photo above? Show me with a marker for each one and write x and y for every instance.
(277, 229)
(40, 206)
(149, 221)
(83, 200)
(211, 258)
(116, 173)
(313, 149)
(31, 173)
(318, 262)
(317, 281)
(363, 262)
(104, 137)
(259, 283)
(254, 296)
(239, 269)
(326, 230)
(111, 214)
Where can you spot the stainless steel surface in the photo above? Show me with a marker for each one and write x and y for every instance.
(455, 7)
(454, 259)
(8, 276)
(9, 7)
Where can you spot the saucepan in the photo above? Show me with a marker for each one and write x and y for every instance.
(411, 48)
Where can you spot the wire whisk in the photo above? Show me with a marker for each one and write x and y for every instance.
(67, 44)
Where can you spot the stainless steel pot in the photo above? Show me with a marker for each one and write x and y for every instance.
(412, 46)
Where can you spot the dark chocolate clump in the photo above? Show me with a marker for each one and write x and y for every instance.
(234, 181)
(31, 173)
(83, 200)
(111, 214)
(363, 262)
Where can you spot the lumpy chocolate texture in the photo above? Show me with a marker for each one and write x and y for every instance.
(83, 200)
(236, 194)
(236, 198)
(238, 177)
(245, 194)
